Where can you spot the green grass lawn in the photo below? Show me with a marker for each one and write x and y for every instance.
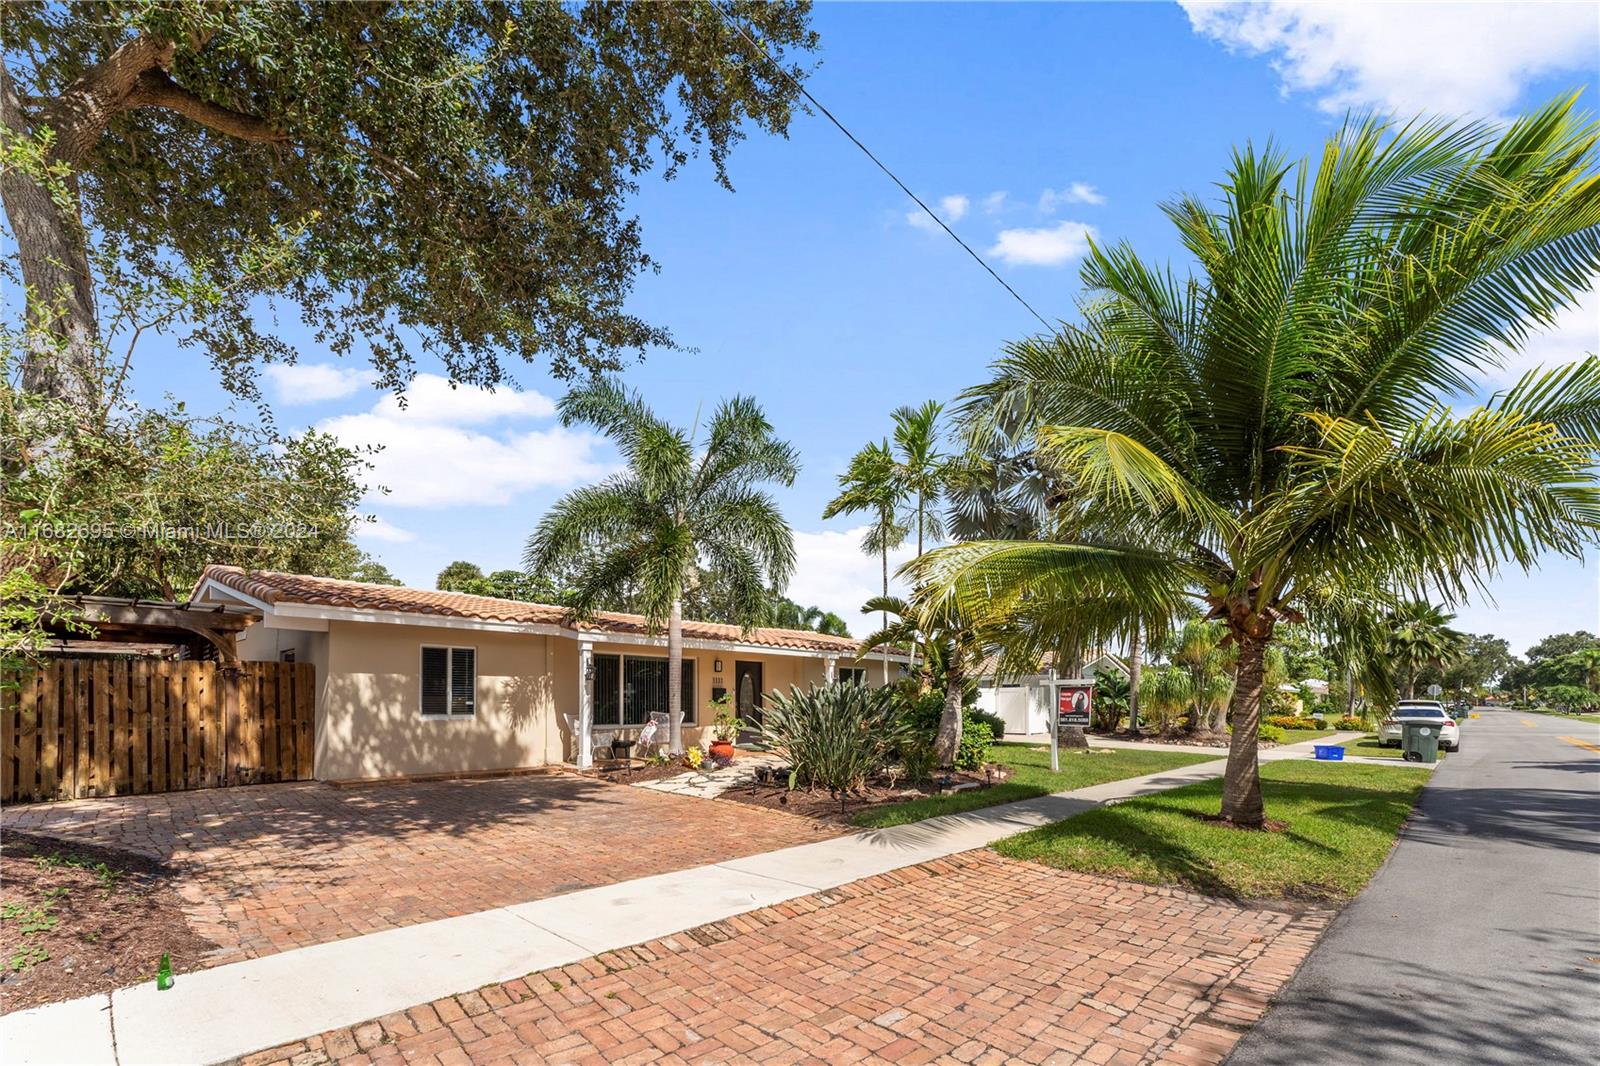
(1032, 778)
(1369, 747)
(1341, 821)
(1569, 717)
(1295, 736)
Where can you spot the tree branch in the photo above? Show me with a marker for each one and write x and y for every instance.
(155, 88)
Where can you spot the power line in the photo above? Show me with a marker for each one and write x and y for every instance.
(739, 28)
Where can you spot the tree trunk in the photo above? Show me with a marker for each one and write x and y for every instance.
(63, 358)
(883, 616)
(1411, 684)
(1135, 672)
(1241, 783)
(675, 676)
(949, 739)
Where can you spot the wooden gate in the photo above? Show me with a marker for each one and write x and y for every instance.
(90, 727)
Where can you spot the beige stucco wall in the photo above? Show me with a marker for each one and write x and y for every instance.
(369, 722)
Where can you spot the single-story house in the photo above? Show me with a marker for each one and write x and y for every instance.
(413, 682)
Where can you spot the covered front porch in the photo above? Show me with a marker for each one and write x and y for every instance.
(609, 689)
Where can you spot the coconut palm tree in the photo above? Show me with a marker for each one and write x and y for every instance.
(681, 507)
(869, 484)
(1268, 437)
(1420, 637)
(947, 647)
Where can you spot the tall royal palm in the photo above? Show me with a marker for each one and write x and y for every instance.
(920, 467)
(1270, 435)
(869, 484)
(682, 507)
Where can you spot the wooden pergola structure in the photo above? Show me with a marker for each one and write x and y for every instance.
(203, 632)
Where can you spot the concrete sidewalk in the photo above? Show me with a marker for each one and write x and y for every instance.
(228, 1011)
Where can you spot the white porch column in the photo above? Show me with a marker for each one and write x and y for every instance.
(585, 738)
(830, 667)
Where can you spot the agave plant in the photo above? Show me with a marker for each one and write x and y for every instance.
(1271, 438)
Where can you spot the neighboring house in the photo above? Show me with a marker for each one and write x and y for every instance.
(1024, 703)
(413, 682)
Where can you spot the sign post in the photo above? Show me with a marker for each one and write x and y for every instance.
(1074, 708)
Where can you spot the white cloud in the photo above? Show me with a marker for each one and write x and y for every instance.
(384, 530)
(442, 449)
(952, 208)
(1046, 246)
(995, 202)
(1471, 59)
(431, 399)
(1575, 333)
(297, 383)
(1079, 192)
(832, 572)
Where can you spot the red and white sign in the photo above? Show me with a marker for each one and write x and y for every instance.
(1075, 703)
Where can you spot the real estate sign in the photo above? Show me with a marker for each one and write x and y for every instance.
(1074, 702)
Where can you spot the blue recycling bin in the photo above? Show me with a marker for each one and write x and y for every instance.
(1331, 752)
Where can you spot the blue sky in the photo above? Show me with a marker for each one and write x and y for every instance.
(1030, 125)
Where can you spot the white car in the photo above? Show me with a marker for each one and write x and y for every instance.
(1431, 711)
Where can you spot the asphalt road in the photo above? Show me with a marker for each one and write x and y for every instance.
(1479, 940)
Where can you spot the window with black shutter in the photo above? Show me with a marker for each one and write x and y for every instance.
(449, 682)
(463, 680)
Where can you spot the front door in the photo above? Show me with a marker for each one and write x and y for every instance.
(747, 690)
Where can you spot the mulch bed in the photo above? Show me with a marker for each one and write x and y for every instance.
(633, 775)
(1209, 740)
(97, 920)
(833, 807)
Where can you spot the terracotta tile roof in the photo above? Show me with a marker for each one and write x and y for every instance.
(272, 588)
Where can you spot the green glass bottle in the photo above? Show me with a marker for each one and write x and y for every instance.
(164, 973)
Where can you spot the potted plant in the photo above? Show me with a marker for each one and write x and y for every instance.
(725, 729)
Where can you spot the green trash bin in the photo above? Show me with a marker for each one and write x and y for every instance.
(1419, 741)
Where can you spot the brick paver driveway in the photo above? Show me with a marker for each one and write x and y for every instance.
(272, 867)
(976, 959)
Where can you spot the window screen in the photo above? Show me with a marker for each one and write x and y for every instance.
(644, 690)
(853, 675)
(607, 690)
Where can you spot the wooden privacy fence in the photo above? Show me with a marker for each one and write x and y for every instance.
(88, 727)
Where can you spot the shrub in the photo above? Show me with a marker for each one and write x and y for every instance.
(996, 724)
(1315, 723)
(920, 715)
(1349, 723)
(976, 740)
(1270, 733)
(1284, 721)
(836, 735)
(917, 757)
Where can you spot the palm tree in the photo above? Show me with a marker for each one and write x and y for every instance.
(1267, 437)
(919, 466)
(1167, 691)
(1420, 638)
(1588, 663)
(869, 484)
(947, 648)
(682, 506)
(1198, 651)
